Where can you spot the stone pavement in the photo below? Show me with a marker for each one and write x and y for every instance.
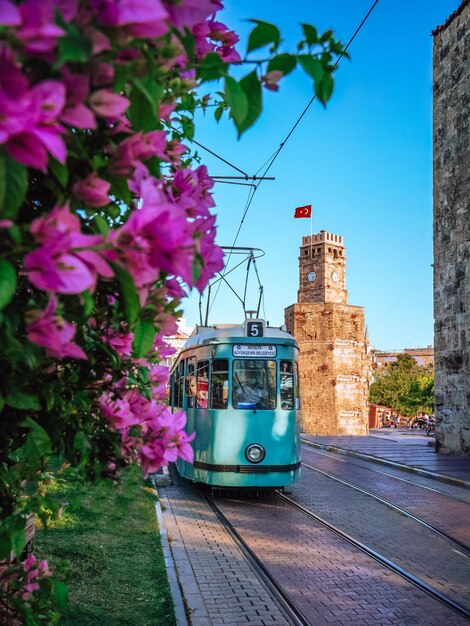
(405, 449)
(217, 583)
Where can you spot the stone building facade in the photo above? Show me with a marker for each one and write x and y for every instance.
(334, 363)
(451, 144)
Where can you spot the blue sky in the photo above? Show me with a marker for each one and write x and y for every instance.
(364, 163)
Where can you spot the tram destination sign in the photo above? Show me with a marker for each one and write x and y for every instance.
(252, 350)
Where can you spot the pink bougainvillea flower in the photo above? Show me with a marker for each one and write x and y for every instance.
(53, 333)
(92, 190)
(6, 223)
(106, 103)
(121, 342)
(51, 269)
(137, 148)
(191, 189)
(166, 109)
(187, 13)
(66, 262)
(136, 18)
(76, 113)
(38, 31)
(155, 238)
(9, 14)
(174, 149)
(271, 79)
(28, 116)
(212, 36)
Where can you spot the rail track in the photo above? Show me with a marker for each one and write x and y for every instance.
(274, 588)
(458, 544)
(409, 577)
(281, 596)
(333, 455)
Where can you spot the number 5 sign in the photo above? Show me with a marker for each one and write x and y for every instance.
(254, 329)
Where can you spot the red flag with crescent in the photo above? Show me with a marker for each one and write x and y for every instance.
(303, 211)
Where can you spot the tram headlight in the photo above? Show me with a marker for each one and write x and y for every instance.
(255, 453)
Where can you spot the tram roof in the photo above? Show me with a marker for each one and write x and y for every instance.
(203, 334)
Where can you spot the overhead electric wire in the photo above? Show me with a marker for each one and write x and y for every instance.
(276, 153)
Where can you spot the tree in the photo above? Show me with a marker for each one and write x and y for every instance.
(405, 387)
(105, 223)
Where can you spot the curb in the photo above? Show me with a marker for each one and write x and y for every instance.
(188, 600)
(375, 459)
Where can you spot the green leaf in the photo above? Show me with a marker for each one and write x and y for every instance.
(88, 303)
(2, 402)
(151, 91)
(61, 594)
(252, 88)
(219, 112)
(212, 67)
(324, 88)
(144, 336)
(237, 100)
(144, 374)
(13, 186)
(102, 225)
(38, 443)
(120, 189)
(262, 35)
(7, 282)
(145, 98)
(129, 293)
(73, 46)
(312, 66)
(284, 63)
(22, 401)
(61, 172)
(311, 34)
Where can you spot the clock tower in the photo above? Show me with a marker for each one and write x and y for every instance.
(322, 267)
(334, 363)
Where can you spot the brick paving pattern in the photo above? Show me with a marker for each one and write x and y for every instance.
(413, 547)
(330, 581)
(446, 514)
(218, 583)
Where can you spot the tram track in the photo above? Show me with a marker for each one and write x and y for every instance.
(275, 586)
(334, 455)
(276, 590)
(390, 565)
(461, 546)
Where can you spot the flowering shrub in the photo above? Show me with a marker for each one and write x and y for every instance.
(105, 223)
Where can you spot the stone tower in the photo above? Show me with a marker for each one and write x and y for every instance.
(333, 362)
(451, 177)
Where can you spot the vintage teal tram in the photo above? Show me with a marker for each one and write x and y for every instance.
(239, 385)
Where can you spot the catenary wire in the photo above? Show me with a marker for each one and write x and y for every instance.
(273, 158)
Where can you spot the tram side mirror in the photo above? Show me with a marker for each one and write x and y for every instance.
(190, 385)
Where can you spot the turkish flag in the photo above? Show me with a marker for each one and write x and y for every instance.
(303, 211)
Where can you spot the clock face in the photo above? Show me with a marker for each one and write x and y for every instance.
(335, 276)
(312, 276)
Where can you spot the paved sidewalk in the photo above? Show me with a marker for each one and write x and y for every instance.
(410, 450)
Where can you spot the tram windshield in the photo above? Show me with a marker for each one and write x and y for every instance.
(254, 384)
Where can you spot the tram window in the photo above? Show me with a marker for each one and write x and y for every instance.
(254, 384)
(172, 389)
(296, 386)
(202, 385)
(179, 385)
(190, 385)
(219, 385)
(287, 385)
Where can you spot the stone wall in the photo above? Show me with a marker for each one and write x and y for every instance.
(451, 144)
(333, 365)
